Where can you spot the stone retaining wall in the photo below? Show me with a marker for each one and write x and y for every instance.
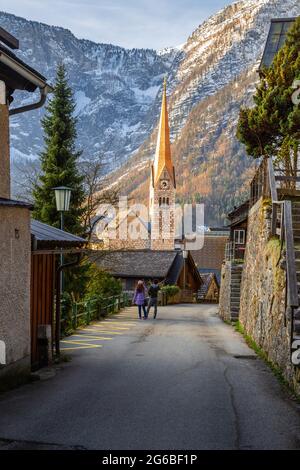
(262, 307)
(224, 302)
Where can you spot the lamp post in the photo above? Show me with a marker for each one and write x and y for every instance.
(62, 198)
(185, 254)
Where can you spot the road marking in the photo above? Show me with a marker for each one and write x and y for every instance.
(113, 327)
(92, 337)
(83, 344)
(95, 330)
(78, 347)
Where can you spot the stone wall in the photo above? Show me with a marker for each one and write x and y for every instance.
(224, 299)
(262, 307)
(15, 294)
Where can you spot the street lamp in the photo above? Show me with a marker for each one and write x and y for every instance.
(62, 198)
(185, 254)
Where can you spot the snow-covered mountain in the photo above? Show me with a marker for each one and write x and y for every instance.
(118, 95)
(114, 88)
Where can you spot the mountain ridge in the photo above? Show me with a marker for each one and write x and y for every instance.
(118, 93)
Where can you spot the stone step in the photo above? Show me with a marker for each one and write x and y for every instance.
(235, 307)
(296, 232)
(235, 294)
(234, 317)
(297, 326)
(297, 264)
(297, 314)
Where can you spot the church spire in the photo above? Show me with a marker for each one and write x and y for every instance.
(163, 159)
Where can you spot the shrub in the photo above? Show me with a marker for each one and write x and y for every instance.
(101, 284)
(170, 291)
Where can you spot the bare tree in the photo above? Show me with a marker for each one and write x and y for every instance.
(99, 190)
(25, 174)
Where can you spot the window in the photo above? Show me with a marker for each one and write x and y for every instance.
(239, 237)
(276, 39)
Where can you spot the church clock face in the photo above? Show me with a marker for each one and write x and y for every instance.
(164, 184)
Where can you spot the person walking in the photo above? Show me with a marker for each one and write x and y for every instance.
(139, 299)
(153, 295)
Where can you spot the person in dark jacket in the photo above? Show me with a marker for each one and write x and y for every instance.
(139, 299)
(153, 294)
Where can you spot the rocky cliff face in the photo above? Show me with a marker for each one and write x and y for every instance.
(113, 87)
(118, 96)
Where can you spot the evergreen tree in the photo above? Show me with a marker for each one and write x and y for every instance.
(59, 159)
(271, 127)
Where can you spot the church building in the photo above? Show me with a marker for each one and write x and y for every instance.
(162, 187)
(149, 251)
(157, 231)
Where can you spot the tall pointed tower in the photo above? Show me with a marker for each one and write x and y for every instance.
(162, 186)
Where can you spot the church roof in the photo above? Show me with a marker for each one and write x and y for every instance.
(163, 157)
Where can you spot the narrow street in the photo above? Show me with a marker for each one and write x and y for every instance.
(183, 381)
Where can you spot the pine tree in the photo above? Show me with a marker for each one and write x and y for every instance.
(59, 160)
(270, 128)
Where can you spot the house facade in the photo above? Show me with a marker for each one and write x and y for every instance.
(15, 238)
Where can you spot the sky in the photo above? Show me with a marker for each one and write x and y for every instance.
(128, 23)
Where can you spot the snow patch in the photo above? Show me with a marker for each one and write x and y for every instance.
(81, 101)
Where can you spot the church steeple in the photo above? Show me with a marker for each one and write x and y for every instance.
(162, 186)
(163, 158)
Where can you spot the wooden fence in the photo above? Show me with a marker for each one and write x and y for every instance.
(82, 313)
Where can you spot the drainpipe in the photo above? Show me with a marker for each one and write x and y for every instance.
(23, 109)
(30, 77)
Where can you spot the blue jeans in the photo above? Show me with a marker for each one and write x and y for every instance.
(152, 303)
(140, 307)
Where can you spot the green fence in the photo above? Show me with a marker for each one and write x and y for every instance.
(82, 313)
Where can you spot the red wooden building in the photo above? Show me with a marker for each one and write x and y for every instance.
(47, 244)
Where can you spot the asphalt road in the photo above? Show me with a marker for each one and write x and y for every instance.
(183, 381)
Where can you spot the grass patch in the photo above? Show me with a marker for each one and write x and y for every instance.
(263, 355)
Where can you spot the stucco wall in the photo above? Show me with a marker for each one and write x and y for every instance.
(4, 153)
(262, 308)
(15, 291)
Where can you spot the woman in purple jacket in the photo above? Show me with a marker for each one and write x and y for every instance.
(139, 299)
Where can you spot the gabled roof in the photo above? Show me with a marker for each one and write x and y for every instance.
(144, 264)
(208, 271)
(239, 214)
(46, 235)
(207, 279)
(135, 263)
